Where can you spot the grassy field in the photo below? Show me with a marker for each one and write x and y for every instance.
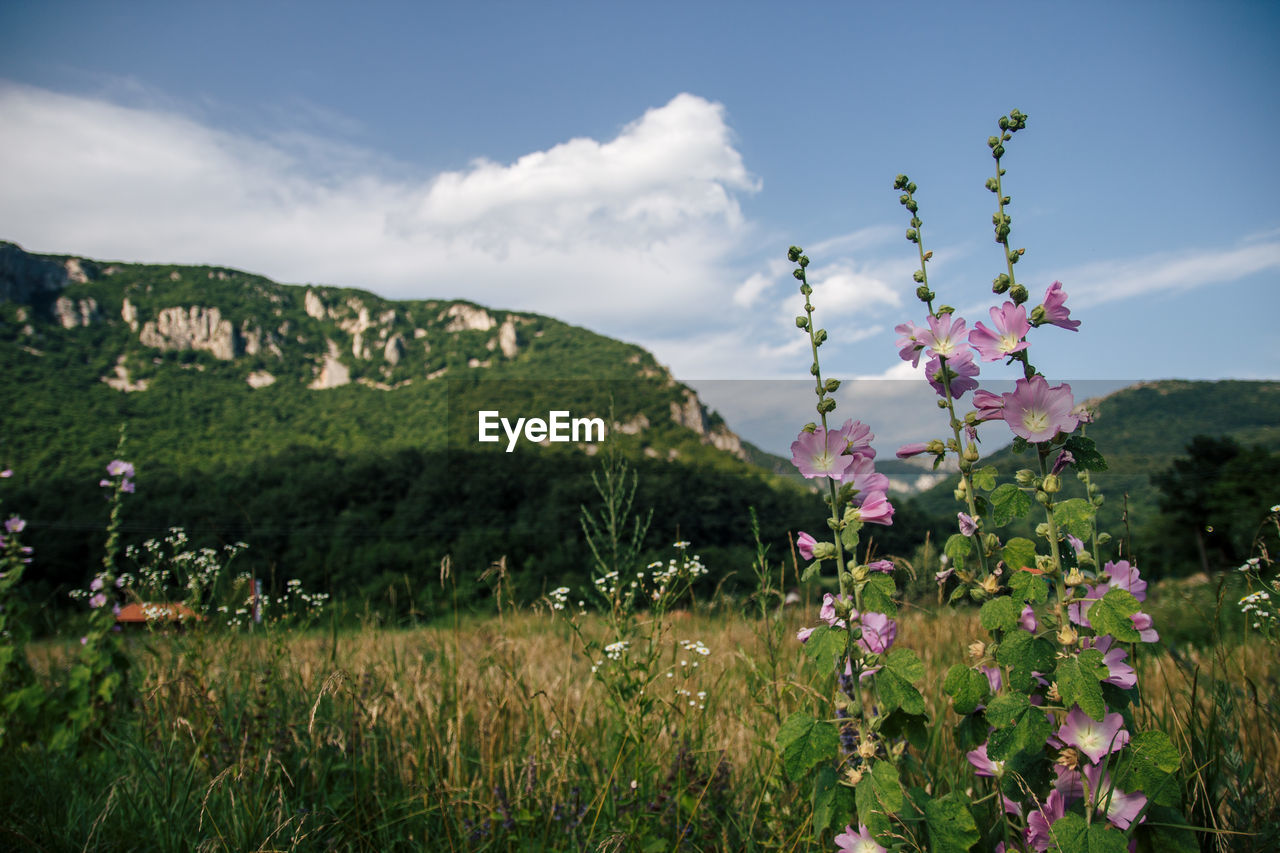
(495, 733)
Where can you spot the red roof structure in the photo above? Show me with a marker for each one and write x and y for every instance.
(157, 611)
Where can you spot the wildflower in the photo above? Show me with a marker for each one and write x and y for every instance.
(1043, 817)
(1119, 673)
(14, 525)
(860, 842)
(874, 508)
(1122, 808)
(859, 438)
(1011, 326)
(1142, 623)
(909, 345)
(878, 633)
(829, 611)
(96, 584)
(97, 601)
(1095, 739)
(959, 370)
(6, 473)
(1126, 577)
(967, 525)
(1054, 309)
(945, 338)
(983, 765)
(803, 634)
(885, 566)
(1037, 412)
(804, 544)
(863, 476)
(906, 451)
(821, 454)
(117, 468)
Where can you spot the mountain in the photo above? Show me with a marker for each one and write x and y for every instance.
(337, 432)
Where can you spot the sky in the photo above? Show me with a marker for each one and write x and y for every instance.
(641, 169)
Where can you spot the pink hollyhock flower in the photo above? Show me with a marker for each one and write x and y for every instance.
(1011, 326)
(6, 473)
(1119, 673)
(945, 337)
(97, 601)
(804, 544)
(988, 406)
(1095, 739)
(878, 633)
(859, 437)
(117, 467)
(1077, 545)
(860, 842)
(1078, 608)
(906, 451)
(821, 454)
(863, 477)
(967, 525)
(909, 346)
(1122, 808)
(1064, 459)
(1036, 412)
(1126, 577)
(1027, 619)
(1068, 784)
(127, 486)
(827, 613)
(803, 634)
(1055, 308)
(1040, 819)
(1142, 624)
(982, 764)
(960, 370)
(16, 525)
(874, 508)
(96, 584)
(994, 678)
(881, 566)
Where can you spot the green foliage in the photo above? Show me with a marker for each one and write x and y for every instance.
(805, 743)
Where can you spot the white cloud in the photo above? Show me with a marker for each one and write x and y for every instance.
(1107, 281)
(608, 234)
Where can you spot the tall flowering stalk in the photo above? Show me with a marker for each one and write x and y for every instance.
(853, 751)
(1046, 702)
(21, 698)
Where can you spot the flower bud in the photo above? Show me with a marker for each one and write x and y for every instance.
(1037, 316)
(1097, 500)
(824, 551)
(1104, 538)
(1025, 478)
(803, 261)
(991, 541)
(809, 427)
(859, 573)
(993, 141)
(852, 777)
(1042, 530)
(918, 276)
(977, 650)
(990, 584)
(1018, 294)
(793, 254)
(1084, 558)
(912, 236)
(802, 322)
(900, 182)
(798, 275)
(832, 385)
(992, 185)
(971, 453)
(1042, 497)
(1044, 563)
(924, 294)
(820, 337)
(1052, 484)
(1074, 577)
(1067, 636)
(806, 289)
(1000, 283)
(867, 749)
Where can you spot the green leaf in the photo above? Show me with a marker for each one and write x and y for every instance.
(1079, 681)
(967, 688)
(1029, 587)
(913, 727)
(1024, 654)
(1110, 615)
(985, 478)
(951, 825)
(1072, 834)
(1075, 516)
(1019, 552)
(1086, 454)
(826, 644)
(999, 614)
(957, 549)
(1007, 503)
(831, 800)
(1019, 727)
(895, 682)
(811, 571)
(877, 595)
(849, 535)
(1152, 768)
(805, 743)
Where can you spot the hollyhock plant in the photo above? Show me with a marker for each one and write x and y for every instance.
(821, 454)
(1093, 738)
(860, 842)
(1011, 327)
(1037, 412)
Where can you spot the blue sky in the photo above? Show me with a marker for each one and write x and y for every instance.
(641, 169)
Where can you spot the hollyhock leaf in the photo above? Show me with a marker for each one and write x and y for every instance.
(1110, 615)
(1024, 654)
(1075, 516)
(1152, 768)
(967, 688)
(1072, 834)
(805, 743)
(831, 800)
(971, 731)
(811, 571)
(826, 645)
(957, 549)
(1007, 503)
(914, 728)
(1019, 727)
(999, 614)
(1019, 552)
(1086, 454)
(985, 478)
(1079, 681)
(877, 595)
(895, 682)
(1028, 587)
(952, 828)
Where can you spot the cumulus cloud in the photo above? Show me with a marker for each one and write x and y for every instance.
(603, 233)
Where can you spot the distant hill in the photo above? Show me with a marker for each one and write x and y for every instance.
(335, 431)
